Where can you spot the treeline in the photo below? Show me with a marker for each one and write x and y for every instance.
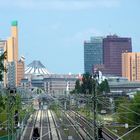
(2, 67)
(89, 84)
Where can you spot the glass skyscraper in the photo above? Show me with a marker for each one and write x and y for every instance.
(93, 53)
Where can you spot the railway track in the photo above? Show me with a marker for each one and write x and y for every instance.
(83, 134)
(45, 126)
(29, 129)
(45, 122)
(87, 127)
(54, 132)
(105, 133)
(84, 124)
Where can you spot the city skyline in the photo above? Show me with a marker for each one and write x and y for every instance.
(54, 32)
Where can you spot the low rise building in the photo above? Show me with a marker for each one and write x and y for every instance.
(59, 83)
(37, 76)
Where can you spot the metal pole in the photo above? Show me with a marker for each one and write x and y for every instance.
(10, 115)
(95, 127)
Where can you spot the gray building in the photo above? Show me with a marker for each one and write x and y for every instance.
(59, 83)
(121, 86)
(93, 53)
(37, 76)
(25, 83)
(11, 74)
(53, 83)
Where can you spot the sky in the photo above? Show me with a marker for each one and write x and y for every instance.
(53, 31)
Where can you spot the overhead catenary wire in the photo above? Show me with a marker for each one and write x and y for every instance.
(123, 107)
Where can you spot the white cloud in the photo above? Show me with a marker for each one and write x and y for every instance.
(60, 4)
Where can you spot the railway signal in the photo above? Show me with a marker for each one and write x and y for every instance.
(16, 118)
(100, 136)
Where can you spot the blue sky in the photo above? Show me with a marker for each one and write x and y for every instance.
(53, 31)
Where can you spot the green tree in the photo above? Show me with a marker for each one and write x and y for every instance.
(122, 114)
(2, 67)
(87, 84)
(104, 87)
(77, 86)
(2, 104)
(135, 106)
(129, 111)
(17, 102)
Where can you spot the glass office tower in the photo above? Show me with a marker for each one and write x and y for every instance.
(93, 53)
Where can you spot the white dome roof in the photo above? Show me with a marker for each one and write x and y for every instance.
(37, 68)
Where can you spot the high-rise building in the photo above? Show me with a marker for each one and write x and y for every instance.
(14, 35)
(113, 47)
(10, 49)
(15, 67)
(93, 53)
(12, 43)
(19, 71)
(131, 66)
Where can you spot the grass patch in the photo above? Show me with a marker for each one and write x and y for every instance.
(135, 135)
(85, 112)
(2, 133)
(3, 118)
(56, 109)
(120, 131)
